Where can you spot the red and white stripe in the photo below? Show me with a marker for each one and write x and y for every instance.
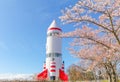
(52, 68)
(55, 28)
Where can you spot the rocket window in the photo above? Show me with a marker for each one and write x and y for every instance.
(53, 55)
(58, 55)
(56, 33)
(53, 59)
(53, 34)
(50, 34)
(50, 55)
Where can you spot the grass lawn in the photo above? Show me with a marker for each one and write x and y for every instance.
(107, 81)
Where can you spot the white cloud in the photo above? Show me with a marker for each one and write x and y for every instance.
(16, 77)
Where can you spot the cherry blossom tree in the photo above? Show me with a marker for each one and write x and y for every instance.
(97, 38)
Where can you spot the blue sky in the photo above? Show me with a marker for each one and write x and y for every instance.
(23, 27)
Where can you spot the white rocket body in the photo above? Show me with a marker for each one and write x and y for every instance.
(53, 51)
(53, 67)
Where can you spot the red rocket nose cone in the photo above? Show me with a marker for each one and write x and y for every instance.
(53, 26)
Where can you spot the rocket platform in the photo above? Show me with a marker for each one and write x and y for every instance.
(53, 68)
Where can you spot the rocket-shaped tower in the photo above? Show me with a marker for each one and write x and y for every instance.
(54, 66)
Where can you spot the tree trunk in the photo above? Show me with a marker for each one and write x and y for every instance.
(108, 72)
(94, 76)
(114, 77)
(110, 78)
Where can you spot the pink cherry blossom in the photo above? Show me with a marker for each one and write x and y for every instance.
(101, 46)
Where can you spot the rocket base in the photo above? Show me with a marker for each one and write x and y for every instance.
(44, 76)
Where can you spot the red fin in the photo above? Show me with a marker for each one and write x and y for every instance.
(63, 76)
(43, 75)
